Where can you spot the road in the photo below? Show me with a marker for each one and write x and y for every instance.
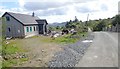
(103, 52)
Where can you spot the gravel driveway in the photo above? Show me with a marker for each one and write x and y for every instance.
(71, 53)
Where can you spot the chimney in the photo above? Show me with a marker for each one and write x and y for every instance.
(33, 14)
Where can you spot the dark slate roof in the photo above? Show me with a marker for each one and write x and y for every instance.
(42, 21)
(24, 18)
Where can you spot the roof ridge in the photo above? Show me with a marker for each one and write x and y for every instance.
(21, 14)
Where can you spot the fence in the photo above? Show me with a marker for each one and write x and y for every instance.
(112, 28)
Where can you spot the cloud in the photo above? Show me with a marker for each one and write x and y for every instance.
(92, 7)
(3, 9)
(8, 0)
(49, 12)
(85, 9)
(42, 5)
(21, 3)
(104, 7)
(68, 1)
(47, 4)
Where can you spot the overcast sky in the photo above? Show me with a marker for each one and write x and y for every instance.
(62, 10)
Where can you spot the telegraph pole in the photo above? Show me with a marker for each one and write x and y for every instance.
(87, 19)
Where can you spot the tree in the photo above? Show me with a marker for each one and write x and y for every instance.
(4, 46)
(58, 27)
(3, 27)
(51, 28)
(102, 24)
(81, 21)
(116, 20)
(70, 21)
(67, 25)
(76, 20)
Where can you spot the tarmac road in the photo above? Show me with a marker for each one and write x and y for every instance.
(103, 52)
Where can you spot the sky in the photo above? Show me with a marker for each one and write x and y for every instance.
(119, 7)
(62, 10)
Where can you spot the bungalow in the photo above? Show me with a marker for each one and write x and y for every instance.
(22, 25)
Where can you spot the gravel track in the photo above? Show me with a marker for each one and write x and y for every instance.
(71, 53)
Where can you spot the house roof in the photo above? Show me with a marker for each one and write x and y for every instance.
(42, 21)
(25, 19)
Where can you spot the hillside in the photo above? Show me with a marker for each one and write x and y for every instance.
(57, 24)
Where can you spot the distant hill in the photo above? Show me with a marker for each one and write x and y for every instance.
(57, 24)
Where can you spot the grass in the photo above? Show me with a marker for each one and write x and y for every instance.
(0, 44)
(10, 49)
(66, 39)
(13, 62)
(9, 63)
(69, 38)
(0, 51)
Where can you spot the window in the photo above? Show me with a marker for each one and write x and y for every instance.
(7, 18)
(9, 29)
(27, 29)
(34, 29)
(30, 29)
(18, 31)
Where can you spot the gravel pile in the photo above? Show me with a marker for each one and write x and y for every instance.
(71, 54)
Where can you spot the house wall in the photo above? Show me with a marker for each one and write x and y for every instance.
(16, 28)
(44, 27)
(41, 28)
(31, 33)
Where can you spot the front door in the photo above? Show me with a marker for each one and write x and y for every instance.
(40, 28)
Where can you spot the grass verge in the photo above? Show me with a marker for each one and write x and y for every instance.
(9, 54)
(69, 38)
(65, 39)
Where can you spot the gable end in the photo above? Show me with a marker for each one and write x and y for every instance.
(12, 17)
